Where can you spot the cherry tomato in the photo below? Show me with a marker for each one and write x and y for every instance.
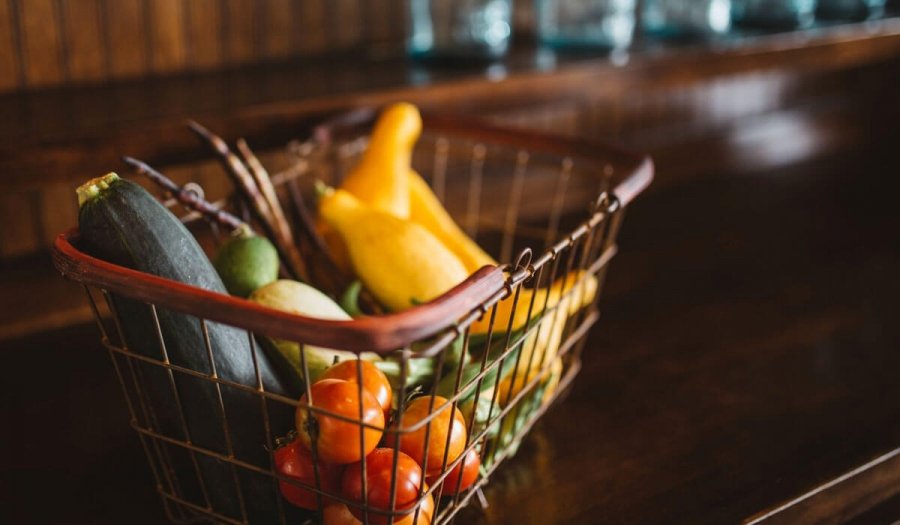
(339, 514)
(379, 465)
(469, 468)
(294, 461)
(373, 379)
(338, 441)
(426, 512)
(444, 423)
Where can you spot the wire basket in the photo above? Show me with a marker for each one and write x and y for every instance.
(556, 204)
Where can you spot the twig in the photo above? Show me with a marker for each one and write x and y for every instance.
(264, 182)
(259, 207)
(186, 197)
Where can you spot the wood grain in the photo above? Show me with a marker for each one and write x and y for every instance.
(58, 208)
(745, 355)
(127, 30)
(378, 18)
(312, 27)
(9, 48)
(345, 26)
(39, 23)
(274, 104)
(278, 30)
(241, 36)
(22, 232)
(204, 19)
(167, 43)
(86, 59)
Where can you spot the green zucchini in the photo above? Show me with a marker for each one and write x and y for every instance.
(122, 223)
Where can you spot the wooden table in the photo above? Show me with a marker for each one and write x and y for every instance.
(747, 354)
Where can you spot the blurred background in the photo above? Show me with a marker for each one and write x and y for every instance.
(747, 353)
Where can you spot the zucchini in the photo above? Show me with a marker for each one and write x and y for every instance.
(122, 223)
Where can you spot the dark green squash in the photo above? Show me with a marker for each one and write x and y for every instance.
(122, 223)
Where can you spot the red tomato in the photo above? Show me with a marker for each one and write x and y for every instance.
(426, 512)
(469, 468)
(338, 441)
(338, 514)
(373, 379)
(444, 423)
(378, 485)
(294, 461)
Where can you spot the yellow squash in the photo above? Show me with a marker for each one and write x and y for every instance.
(399, 261)
(380, 178)
(539, 348)
(427, 210)
(384, 180)
(582, 286)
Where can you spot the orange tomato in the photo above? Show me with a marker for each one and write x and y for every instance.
(373, 379)
(447, 432)
(339, 514)
(469, 468)
(338, 441)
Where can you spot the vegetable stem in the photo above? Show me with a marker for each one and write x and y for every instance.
(90, 189)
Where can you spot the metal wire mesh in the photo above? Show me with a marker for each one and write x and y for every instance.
(525, 341)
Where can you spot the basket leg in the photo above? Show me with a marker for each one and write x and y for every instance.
(482, 500)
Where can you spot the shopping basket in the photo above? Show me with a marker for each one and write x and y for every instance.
(549, 207)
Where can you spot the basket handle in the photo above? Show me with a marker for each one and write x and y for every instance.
(381, 334)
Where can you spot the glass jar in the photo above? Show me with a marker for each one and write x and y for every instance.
(892, 7)
(459, 28)
(852, 10)
(586, 24)
(777, 14)
(686, 18)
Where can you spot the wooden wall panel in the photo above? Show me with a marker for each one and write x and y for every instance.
(85, 50)
(127, 36)
(278, 28)
(57, 209)
(346, 22)
(167, 38)
(21, 232)
(9, 49)
(312, 26)
(205, 33)
(241, 31)
(41, 42)
(54, 42)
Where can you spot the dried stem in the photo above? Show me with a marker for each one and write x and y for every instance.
(186, 197)
(246, 186)
(264, 182)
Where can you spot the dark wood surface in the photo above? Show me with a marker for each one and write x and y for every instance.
(68, 134)
(746, 355)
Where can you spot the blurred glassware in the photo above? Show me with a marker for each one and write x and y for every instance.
(686, 18)
(773, 14)
(586, 24)
(851, 10)
(459, 28)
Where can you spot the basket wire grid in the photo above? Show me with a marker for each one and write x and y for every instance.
(508, 189)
